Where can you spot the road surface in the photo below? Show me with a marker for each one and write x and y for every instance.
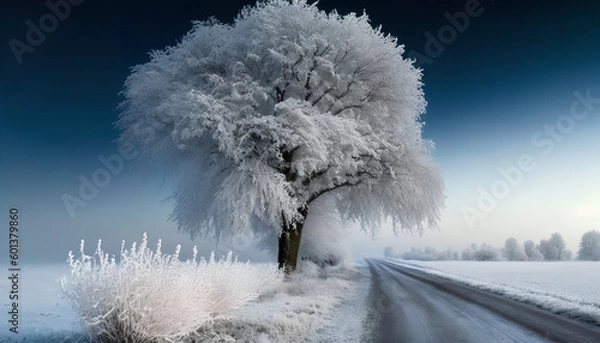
(408, 305)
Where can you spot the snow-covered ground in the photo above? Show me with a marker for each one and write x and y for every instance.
(325, 306)
(319, 306)
(569, 288)
(315, 306)
(44, 316)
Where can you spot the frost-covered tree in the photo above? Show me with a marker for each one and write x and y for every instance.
(430, 254)
(427, 254)
(589, 247)
(554, 248)
(260, 117)
(512, 250)
(450, 254)
(485, 253)
(532, 252)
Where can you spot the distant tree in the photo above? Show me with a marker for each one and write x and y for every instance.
(427, 254)
(418, 254)
(554, 248)
(559, 246)
(532, 251)
(260, 117)
(449, 254)
(389, 251)
(431, 253)
(512, 250)
(413, 254)
(467, 254)
(485, 253)
(589, 247)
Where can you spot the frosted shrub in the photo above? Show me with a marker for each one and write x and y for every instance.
(154, 297)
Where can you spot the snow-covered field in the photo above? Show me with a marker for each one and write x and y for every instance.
(319, 306)
(316, 307)
(569, 288)
(44, 316)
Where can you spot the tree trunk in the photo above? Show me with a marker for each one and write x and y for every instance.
(289, 243)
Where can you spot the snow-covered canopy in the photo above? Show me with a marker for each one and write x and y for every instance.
(260, 117)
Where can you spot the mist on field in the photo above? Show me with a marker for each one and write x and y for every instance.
(516, 148)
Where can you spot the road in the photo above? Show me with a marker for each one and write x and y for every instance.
(408, 305)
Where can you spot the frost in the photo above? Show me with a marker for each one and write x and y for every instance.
(259, 118)
(315, 305)
(152, 296)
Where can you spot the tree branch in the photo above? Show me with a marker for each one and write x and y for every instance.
(315, 175)
(352, 180)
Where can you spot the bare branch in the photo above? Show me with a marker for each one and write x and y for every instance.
(315, 175)
(327, 91)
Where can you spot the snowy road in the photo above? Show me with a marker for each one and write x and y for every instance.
(408, 305)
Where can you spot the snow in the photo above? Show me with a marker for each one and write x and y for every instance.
(256, 119)
(568, 288)
(350, 316)
(321, 305)
(45, 316)
(315, 306)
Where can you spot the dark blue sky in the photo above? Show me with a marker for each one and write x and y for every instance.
(509, 56)
(513, 69)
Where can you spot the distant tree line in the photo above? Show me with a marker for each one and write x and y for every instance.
(589, 247)
(552, 249)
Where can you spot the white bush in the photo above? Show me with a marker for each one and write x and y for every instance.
(151, 296)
